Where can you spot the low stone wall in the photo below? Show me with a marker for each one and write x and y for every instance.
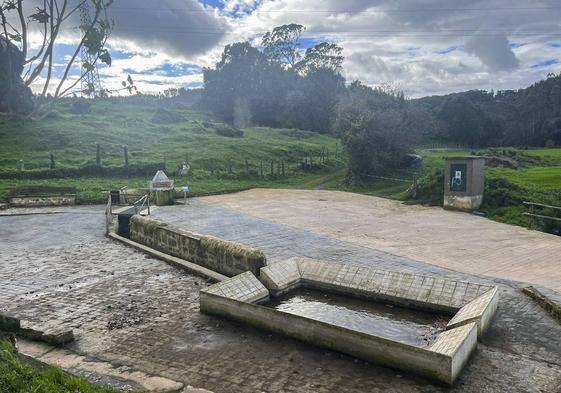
(549, 300)
(225, 257)
(400, 288)
(42, 201)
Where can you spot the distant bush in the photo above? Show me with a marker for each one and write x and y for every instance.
(163, 116)
(87, 170)
(501, 192)
(431, 189)
(80, 106)
(298, 134)
(228, 131)
(52, 115)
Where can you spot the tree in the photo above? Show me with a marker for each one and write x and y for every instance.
(49, 20)
(323, 56)
(15, 96)
(281, 44)
(236, 76)
(276, 86)
(377, 137)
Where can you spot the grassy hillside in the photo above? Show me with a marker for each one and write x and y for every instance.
(224, 158)
(219, 156)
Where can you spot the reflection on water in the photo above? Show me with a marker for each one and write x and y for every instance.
(396, 323)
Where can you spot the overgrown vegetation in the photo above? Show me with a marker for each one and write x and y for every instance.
(17, 376)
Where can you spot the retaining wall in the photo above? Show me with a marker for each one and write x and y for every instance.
(225, 257)
(42, 201)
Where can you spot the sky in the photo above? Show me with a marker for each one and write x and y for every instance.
(425, 47)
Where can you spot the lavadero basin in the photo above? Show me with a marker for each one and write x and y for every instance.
(469, 308)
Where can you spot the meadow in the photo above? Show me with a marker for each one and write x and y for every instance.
(224, 158)
(220, 156)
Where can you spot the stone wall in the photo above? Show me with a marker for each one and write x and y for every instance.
(43, 201)
(225, 257)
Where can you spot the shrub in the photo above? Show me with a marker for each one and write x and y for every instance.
(228, 131)
(431, 189)
(80, 106)
(163, 116)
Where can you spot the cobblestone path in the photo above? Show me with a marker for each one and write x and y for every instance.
(136, 311)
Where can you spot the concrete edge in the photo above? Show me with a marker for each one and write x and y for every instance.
(434, 365)
(34, 332)
(80, 365)
(453, 346)
(548, 299)
(244, 287)
(276, 279)
(458, 344)
(174, 261)
(480, 310)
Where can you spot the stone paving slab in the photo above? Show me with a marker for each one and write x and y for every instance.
(453, 240)
(480, 310)
(132, 310)
(244, 287)
(441, 294)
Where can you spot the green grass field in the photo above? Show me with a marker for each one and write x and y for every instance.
(218, 162)
(222, 163)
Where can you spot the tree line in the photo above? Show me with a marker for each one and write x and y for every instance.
(278, 84)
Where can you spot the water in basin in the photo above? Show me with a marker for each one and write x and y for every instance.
(396, 323)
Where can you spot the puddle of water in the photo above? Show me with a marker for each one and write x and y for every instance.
(396, 323)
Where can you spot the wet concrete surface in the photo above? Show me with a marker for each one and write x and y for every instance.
(135, 311)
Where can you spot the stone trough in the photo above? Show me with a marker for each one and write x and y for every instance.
(471, 306)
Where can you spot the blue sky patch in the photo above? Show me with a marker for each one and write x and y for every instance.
(545, 63)
(447, 50)
(554, 45)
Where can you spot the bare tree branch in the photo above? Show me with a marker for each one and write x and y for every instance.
(23, 29)
(77, 51)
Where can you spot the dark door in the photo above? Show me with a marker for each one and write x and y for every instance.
(458, 177)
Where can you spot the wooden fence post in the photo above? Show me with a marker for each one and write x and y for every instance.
(98, 154)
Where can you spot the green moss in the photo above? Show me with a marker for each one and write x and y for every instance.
(214, 245)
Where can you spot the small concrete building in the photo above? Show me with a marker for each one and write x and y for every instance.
(464, 182)
(162, 189)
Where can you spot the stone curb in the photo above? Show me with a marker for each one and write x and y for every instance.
(33, 332)
(76, 364)
(178, 262)
(548, 299)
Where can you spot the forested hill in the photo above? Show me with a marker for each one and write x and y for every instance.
(526, 117)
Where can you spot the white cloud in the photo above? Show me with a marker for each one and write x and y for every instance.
(434, 47)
